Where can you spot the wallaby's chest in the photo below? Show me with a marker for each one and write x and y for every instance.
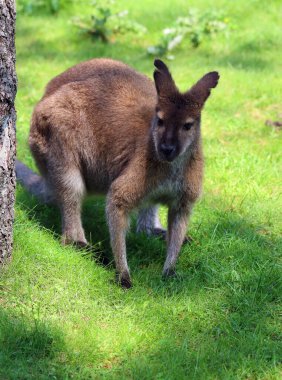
(169, 188)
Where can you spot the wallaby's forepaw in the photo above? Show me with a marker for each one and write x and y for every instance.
(80, 244)
(168, 273)
(124, 280)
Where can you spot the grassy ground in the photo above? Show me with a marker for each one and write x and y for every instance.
(62, 316)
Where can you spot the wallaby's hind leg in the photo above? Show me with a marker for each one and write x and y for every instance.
(148, 221)
(69, 188)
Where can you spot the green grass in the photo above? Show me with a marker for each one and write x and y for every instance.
(63, 317)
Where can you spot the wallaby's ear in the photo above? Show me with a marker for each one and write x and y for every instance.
(163, 79)
(202, 89)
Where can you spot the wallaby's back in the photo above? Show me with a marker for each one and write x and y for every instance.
(101, 67)
(93, 117)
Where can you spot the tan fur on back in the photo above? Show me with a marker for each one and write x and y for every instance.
(99, 120)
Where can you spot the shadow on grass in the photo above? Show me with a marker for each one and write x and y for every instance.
(225, 237)
(234, 331)
(237, 335)
(236, 356)
(29, 348)
(95, 225)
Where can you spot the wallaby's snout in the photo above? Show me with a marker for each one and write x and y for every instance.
(166, 141)
(168, 151)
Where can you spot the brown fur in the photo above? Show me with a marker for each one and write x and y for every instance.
(96, 129)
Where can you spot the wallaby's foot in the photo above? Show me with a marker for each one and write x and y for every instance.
(168, 273)
(81, 244)
(74, 236)
(124, 280)
(78, 243)
(160, 232)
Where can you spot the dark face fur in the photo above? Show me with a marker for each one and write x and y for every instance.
(176, 125)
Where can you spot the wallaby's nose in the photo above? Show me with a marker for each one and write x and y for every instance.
(167, 149)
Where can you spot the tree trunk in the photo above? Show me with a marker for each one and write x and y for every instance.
(8, 88)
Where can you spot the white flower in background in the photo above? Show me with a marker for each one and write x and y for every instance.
(171, 45)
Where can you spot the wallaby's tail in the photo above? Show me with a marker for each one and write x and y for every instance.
(33, 183)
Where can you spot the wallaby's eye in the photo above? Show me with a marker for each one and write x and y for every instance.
(188, 126)
(160, 122)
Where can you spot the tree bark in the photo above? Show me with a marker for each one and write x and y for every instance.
(8, 89)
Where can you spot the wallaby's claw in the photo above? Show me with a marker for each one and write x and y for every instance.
(124, 280)
(125, 283)
(81, 244)
(168, 273)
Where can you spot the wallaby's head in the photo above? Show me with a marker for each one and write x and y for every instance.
(176, 124)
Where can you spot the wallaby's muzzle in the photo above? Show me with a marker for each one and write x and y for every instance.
(167, 152)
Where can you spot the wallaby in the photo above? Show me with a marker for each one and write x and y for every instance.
(102, 127)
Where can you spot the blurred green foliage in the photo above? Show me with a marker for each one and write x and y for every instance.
(105, 22)
(50, 6)
(195, 26)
